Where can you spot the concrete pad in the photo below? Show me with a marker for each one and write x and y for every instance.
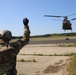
(47, 49)
(45, 65)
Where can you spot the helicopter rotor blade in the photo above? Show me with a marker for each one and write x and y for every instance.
(59, 16)
(52, 16)
(73, 19)
(57, 19)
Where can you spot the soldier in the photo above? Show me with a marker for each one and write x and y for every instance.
(9, 50)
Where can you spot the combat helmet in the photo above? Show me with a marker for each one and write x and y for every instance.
(6, 35)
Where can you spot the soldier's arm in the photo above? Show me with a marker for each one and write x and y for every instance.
(26, 37)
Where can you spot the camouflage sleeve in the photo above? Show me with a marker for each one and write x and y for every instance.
(25, 39)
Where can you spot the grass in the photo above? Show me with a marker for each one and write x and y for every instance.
(49, 38)
(72, 66)
(35, 54)
(22, 60)
(67, 45)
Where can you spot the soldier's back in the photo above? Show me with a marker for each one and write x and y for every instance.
(7, 62)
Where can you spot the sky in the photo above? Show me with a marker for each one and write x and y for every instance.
(12, 13)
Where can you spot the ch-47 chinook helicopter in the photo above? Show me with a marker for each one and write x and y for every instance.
(66, 24)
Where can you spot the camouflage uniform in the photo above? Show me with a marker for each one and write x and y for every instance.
(9, 53)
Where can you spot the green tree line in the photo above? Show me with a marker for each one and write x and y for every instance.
(47, 35)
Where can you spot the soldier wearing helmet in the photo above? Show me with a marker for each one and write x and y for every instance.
(9, 50)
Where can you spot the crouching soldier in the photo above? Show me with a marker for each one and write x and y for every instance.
(9, 50)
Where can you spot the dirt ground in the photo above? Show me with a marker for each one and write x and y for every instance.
(43, 65)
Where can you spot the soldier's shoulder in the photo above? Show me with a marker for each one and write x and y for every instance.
(4, 48)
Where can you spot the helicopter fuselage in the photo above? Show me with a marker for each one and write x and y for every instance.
(66, 25)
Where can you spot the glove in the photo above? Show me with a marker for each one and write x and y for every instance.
(25, 21)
